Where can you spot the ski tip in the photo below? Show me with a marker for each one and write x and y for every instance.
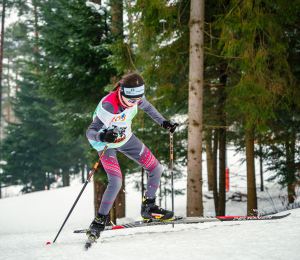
(283, 216)
(89, 242)
(87, 245)
(267, 217)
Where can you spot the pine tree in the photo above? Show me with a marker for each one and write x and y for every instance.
(31, 147)
(194, 188)
(254, 40)
(74, 38)
(281, 153)
(77, 73)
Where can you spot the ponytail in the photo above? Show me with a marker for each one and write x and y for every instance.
(116, 86)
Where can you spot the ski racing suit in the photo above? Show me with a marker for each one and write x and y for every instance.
(108, 114)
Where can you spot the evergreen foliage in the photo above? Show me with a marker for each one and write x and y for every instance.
(253, 39)
(74, 69)
(31, 147)
(255, 44)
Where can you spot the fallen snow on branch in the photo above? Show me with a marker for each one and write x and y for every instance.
(95, 7)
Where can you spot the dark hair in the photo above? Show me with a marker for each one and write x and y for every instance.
(129, 80)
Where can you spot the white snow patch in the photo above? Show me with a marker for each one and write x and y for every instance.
(28, 222)
(95, 7)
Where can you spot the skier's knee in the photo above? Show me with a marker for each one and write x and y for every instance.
(159, 169)
(115, 183)
(157, 172)
(118, 184)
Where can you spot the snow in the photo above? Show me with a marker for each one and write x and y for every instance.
(95, 7)
(28, 222)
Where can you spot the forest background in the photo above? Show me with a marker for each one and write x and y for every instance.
(61, 57)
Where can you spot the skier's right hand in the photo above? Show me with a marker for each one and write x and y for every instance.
(169, 124)
(108, 136)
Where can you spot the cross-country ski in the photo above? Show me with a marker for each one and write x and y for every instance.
(189, 220)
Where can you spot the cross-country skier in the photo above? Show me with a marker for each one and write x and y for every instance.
(117, 110)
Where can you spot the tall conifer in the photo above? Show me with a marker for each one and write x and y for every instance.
(196, 80)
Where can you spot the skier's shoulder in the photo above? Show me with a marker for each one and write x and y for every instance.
(143, 103)
(110, 103)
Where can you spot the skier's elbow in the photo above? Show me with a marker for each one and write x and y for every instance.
(87, 133)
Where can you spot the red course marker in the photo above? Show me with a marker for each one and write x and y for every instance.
(48, 243)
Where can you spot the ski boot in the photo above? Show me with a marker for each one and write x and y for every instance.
(96, 227)
(150, 211)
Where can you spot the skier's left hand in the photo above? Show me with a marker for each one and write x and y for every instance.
(169, 124)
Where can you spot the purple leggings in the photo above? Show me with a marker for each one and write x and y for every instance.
(138, 152)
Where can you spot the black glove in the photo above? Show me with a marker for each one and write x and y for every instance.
(169, 125)
(108, 136)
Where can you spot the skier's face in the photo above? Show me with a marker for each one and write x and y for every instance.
(131, 101)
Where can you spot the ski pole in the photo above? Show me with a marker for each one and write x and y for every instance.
(171, 156)
(116, 131)
(172, 130)
(87, 181)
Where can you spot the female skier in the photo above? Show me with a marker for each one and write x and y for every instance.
(117, 110)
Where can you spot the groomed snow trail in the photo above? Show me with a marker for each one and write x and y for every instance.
(29, 221)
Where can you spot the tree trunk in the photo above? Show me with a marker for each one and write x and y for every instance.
(222, 144)
(17, 86)
(82, 173)
(117, 17)
(87, 171)
(118, 209)
(194, 185)
(66, 179)
(214, 169)
(251, 185)
(222, 193)
(36, 48)
(208, 148)
(48, 180)
(290, 157)
(261, 167)
(8, 93)
(1, 70)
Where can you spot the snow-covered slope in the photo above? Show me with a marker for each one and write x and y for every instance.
(27, 222)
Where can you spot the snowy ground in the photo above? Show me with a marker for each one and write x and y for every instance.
(28, 222)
